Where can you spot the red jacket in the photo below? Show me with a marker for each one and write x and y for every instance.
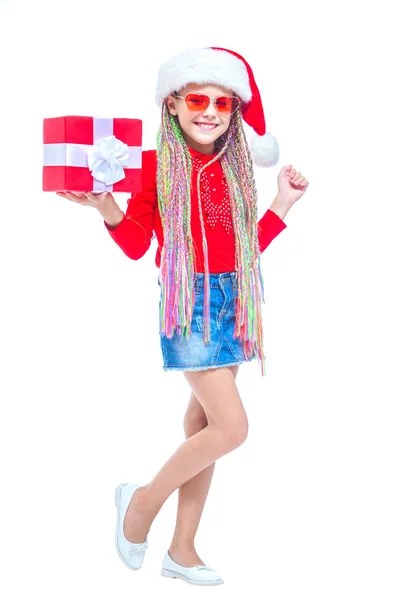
(134, 234)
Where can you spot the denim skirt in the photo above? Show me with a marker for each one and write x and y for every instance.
(182, 354)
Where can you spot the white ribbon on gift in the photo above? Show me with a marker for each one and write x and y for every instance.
(107, 158)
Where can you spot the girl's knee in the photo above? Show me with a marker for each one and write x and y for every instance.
(232, 433)
(238, 431)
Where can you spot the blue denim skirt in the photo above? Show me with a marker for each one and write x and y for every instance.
(182, 354)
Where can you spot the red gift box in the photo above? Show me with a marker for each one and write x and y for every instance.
(92, 154)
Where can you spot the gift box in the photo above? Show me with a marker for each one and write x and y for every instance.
(92, 154)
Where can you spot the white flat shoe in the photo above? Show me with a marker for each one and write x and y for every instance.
(131, 554)
(197, 575)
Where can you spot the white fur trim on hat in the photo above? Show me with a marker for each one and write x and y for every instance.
(204, 65)
(264, 150)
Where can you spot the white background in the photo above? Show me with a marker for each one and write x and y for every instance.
(308, 506)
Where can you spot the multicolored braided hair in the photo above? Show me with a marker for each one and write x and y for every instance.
(174, 179)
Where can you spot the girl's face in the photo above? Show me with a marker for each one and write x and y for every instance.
(196, 137)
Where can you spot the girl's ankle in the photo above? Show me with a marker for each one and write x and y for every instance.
(186, 546)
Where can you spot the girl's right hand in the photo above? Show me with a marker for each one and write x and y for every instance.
(100, 201)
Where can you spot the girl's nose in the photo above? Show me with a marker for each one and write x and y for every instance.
(211, 110)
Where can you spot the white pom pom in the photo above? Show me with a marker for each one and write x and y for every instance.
(264, 150)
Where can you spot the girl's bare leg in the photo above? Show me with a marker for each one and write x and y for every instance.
(225, 431)
(192, 494)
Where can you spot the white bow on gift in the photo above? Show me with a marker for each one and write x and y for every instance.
(107, 160)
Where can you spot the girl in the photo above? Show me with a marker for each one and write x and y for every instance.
(199, 197)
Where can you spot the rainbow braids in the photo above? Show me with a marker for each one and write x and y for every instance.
(174, 178)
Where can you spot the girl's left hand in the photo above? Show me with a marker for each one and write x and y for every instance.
(291, 184)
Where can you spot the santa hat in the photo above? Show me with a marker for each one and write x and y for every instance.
(227, 69)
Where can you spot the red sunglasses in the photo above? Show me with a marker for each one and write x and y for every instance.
(198, 103)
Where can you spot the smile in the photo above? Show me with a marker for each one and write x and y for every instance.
(206, 127)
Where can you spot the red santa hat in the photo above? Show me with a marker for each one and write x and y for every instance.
(227, 69)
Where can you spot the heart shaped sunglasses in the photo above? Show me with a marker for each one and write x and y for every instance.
(198, 103)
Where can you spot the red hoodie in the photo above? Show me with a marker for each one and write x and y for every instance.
(134, 234)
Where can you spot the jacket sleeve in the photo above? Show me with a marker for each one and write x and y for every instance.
(134, 234)
(269, 226)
